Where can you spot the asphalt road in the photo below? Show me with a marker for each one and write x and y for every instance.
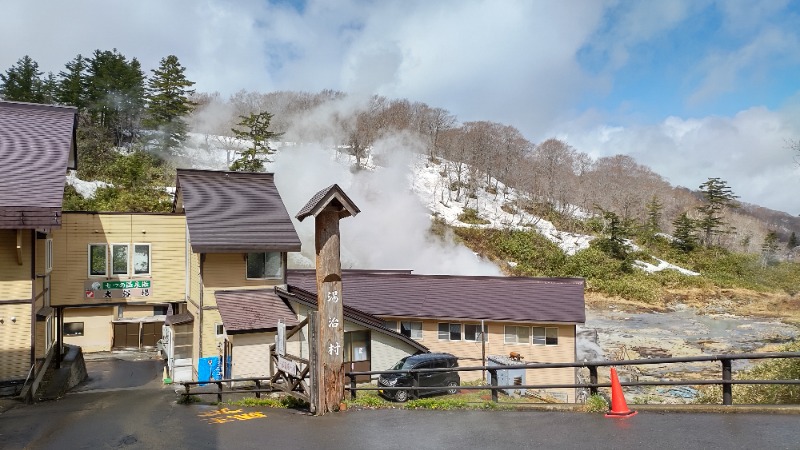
(147, 417)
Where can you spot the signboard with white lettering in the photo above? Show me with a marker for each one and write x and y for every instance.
(287, 366)
(116, 289)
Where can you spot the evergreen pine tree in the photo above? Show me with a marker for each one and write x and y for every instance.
(256, 130)
(115, 94)
(168, 92)
(71, 89)
(684, 233)
(718, 196)
(49, 87)
(23, 82)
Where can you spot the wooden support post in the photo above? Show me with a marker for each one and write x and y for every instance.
(331, 321)
(328, 206)
(258, 388)
(352, 387)
(493, 375)
(727, 388)
(593, 379)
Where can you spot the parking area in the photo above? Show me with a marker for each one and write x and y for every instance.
(122, 370)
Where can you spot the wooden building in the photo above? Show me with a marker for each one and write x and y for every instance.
(37, 146)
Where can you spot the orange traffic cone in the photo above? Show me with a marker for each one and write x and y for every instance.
(619, 409)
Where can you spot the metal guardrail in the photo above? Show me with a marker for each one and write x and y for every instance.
(726, 380)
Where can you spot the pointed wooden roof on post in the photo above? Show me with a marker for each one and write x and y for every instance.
(328, 206)
(330, 196)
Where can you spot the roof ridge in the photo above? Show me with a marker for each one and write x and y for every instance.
(28, 105)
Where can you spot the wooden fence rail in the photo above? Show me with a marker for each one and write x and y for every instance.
(726, 380)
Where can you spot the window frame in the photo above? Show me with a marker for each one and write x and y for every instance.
(217, 327)
(546, 336)
(280, 275)
(111, 258)
(75, 334)
(89, 258)
(133, 272)
(411, 330)
(484, 333)
(449, 331)
(48, 255)
(516, 334)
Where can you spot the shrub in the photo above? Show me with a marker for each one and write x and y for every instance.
(596, 404)
(470, 216)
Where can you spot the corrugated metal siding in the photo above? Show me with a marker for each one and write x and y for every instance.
(15, 279)
(458, 297)
(165, 234)
(228, 271)
(15, 342)
(251, 356)
(35, 146)
(235, 212)
(97, 329)
(210, 339)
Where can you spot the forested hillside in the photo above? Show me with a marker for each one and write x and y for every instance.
(135, 128)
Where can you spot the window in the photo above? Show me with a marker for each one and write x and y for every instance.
(472, 332)
(450, 331)
(97, 260)
(267, 265)
(517, 335)
(73, 329)
(48, 255)
(160, 310)
(390, 325)
(119, 259)
(356, 346)
(120, 311)
(219, 329)
(411, 329)
(141, 259)
(545, 336)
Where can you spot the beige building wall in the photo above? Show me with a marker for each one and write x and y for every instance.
(164, 232)
(15, 340)
(469, 353)
(251, 357)
(15, 278)
(97, 329)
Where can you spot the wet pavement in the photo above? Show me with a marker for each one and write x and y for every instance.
(121, 370)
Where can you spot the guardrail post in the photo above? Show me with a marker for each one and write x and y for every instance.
(493, 375)
(219, 391)
(415, 384)
(593, 379)
(352, 387)
(727, 388)
(258, 388)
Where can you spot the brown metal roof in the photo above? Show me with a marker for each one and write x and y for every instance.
(330, 195)
(506, 299)
(178, 319)
(229, 212)
(37, 146)
(351, 314)
(253, 310)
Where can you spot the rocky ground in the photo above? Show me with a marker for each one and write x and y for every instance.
(621, 331)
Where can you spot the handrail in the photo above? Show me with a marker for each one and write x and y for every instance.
(725, 359)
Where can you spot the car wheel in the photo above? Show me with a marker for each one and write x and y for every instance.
(452, 388)
(401, 396)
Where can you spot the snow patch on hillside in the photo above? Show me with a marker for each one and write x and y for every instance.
(86, 189)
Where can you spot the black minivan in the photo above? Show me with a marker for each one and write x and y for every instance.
(448, 381)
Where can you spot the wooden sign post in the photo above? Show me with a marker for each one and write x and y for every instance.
(328, 206)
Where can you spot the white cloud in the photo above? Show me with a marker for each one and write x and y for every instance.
(748, 150)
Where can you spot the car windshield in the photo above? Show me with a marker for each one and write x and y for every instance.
(402, 364)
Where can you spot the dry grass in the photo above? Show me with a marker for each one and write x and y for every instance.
(740, 302)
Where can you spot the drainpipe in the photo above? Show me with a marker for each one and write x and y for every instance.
(33, 300)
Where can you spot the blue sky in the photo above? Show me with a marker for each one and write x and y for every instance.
(691, 88)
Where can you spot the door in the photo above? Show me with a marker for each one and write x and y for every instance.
(151, 333)
(126, 335)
